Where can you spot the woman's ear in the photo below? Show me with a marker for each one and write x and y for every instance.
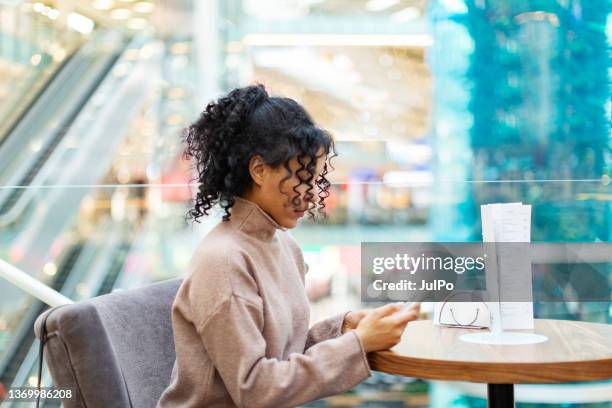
(257, 169)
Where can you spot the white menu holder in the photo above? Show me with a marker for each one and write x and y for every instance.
(509, 269)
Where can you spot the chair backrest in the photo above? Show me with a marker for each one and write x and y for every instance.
(115, 350)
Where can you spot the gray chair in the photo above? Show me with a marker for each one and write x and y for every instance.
(115, 350)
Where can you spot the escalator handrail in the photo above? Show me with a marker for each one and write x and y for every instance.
(32, 286)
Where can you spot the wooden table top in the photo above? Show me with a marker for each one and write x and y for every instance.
(575, 351)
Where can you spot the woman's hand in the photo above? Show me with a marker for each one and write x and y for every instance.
(382, 328)
(352, 319)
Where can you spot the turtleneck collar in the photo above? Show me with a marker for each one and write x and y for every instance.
(251, 219)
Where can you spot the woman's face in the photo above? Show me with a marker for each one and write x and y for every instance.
(275, 195)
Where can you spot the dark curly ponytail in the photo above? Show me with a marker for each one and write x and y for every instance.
(248, 122)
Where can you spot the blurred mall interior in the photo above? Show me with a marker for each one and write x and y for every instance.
(436, 106)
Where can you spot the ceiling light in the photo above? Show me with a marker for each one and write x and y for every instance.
(362, 40)
(274, 9)
(407, 14)
(80, 23)
(53, 14)
(38, 7)
(143, 7)
(120, 14)
(103, 4)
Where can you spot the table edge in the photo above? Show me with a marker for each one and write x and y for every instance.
(390, 362)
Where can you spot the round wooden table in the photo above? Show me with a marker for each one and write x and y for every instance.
(575, 351)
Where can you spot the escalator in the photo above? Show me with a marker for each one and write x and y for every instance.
(42, 128)
(94, 97)
(115, 268)
(95, 264)
(24, 340)
(37, 89)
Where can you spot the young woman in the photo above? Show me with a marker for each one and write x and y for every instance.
(241, 315)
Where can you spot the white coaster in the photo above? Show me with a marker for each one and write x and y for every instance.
(504, 338)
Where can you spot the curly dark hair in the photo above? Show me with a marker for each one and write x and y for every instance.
(248, 122)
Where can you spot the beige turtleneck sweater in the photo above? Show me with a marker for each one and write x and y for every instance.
(240, 321)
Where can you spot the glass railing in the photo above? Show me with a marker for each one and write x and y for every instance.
(105, 208)
(87, 240)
